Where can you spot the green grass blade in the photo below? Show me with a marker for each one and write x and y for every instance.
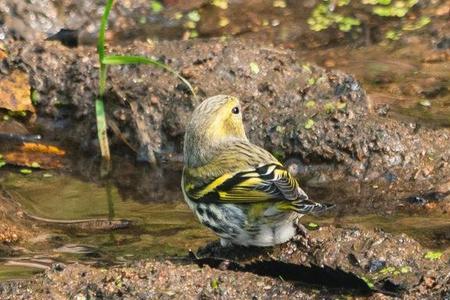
(102, 128)
(99, 104)
(103, 24)
(100, 114)
(137, 59)
(130, 59)
(102, 80)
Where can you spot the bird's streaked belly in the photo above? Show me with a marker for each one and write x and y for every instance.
(246, 224)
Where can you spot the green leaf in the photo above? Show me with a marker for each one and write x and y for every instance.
(194, 16)
(309, 124)
(423, 21)
(313, 225)
(215, 283)
(223, 4)
(311, 81)
(388, 11)
(310, 104)
(26, 171)
(135, 59)
(345, 27)
(329, 107)
(368, 282)
(193, 34)
(387, 270)
(346, 23)
(35, 97)
(433, 255)
(405, 269)
(156, 6)
(393, 35)
(17, 114)
(2, 163)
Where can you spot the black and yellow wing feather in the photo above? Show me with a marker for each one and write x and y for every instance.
(265, 182)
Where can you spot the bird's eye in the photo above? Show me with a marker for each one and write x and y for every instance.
(235, 110)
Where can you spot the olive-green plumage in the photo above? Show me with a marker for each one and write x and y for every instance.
(236, 188)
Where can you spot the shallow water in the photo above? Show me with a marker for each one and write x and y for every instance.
(398, 79)
(157, 229)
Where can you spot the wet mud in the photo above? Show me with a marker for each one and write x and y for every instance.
(330, 262)
(149, 107)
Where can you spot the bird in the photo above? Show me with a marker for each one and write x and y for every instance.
(236, 188)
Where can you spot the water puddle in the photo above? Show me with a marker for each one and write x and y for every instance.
(92, 223)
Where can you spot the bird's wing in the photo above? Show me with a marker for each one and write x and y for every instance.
(245, 183)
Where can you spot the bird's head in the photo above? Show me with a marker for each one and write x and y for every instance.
(215, 121)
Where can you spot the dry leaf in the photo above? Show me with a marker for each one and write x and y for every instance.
(35, 155)
(36, 147)
(15, 92)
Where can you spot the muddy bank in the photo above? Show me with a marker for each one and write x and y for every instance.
(394, 264)
(13, 228)
(319, 121)
(150, 280)
(340, 261)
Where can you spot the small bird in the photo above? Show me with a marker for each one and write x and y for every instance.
(237, 189)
